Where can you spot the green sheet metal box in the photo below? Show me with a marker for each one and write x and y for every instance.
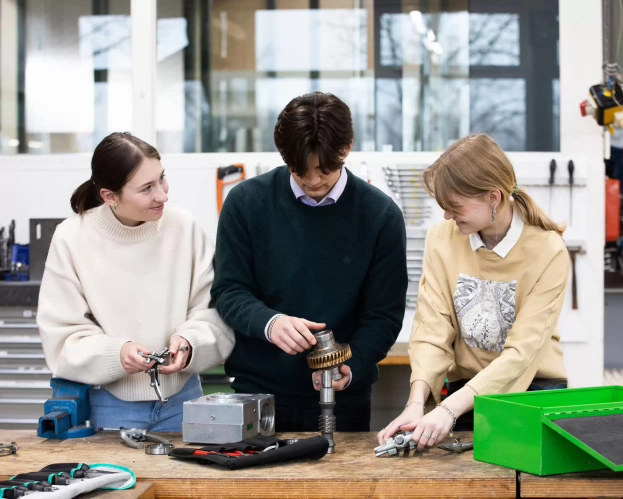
(551, 432)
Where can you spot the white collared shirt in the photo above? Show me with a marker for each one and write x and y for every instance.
(504, 247)
(331, 198)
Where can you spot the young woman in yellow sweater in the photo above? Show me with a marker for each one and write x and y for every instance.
(494, 282)
(130, 274)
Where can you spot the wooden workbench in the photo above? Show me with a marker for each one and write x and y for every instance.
(398, 355)
(353, 471)
(593, 484)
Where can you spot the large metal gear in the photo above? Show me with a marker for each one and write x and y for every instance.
(329, 357)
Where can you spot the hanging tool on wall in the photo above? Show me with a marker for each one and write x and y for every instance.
(571, 170)
(573, 252)
(552, 176)
(223, 172)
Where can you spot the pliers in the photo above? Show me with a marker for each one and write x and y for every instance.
(135, 438)
(394, 445)
(159, 359)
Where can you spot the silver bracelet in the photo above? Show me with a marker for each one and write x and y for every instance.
(272, 323)
(451, 414)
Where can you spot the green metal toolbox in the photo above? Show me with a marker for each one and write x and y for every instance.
(551, 432)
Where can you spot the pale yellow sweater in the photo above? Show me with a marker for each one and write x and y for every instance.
(489, 319)
(106, 284)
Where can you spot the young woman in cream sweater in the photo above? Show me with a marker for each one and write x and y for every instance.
(494, 282)
(130, 274)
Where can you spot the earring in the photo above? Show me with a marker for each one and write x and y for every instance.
(493, 212)
(115, 206)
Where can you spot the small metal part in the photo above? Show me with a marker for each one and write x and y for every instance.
(394, 445)
(7, 450)
(327, 357)
(292, 440)
(159, 449)
(136, 438)
(457, 446)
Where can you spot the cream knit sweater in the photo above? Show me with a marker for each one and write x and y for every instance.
(106, 284)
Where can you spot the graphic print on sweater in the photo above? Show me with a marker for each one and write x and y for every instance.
(485, 310)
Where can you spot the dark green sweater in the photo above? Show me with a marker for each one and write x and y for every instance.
(342, 264)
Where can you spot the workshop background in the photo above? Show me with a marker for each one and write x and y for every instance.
(204, 81)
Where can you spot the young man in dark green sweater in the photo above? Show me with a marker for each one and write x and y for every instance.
(308, 247)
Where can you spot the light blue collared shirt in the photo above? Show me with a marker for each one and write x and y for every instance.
(331, 198)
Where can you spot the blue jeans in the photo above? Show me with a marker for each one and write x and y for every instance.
(107, 411)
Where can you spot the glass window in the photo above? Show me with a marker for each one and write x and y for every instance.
(66, 79)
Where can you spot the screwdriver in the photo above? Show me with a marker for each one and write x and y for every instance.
(571, 169)
(14, 492)
(75, 470)
(38, 486)
(42, 476)
(552, 174)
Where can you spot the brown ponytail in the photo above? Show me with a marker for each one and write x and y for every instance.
(115, 160)
(475, 165)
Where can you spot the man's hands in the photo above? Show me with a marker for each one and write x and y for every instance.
(338, 386)
(293, 335)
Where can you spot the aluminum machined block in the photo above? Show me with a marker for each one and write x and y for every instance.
(228, 417)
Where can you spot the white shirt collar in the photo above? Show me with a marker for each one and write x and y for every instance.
(331, 198)
(504, 247)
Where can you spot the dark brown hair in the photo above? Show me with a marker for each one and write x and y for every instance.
(114, 161)
(314, 123)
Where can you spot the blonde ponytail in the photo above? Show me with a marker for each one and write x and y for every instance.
(475, 165)
(532, 214)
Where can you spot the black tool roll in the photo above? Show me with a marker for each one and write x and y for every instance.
(254, 452)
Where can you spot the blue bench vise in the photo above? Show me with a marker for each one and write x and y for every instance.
(67, 413)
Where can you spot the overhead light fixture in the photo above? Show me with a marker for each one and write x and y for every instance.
(35, 144)
(13, 142)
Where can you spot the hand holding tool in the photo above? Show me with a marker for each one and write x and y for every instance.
(328, 356)
(221, 173)
(395, 444)
(571, 169)
(159, 359)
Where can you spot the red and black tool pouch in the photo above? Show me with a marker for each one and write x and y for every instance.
(250, 452)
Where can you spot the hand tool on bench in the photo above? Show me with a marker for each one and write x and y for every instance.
(7, 450)
(75, 470)
(136, 438)
(457, 446)
(42, 476)
(221, 173)
(14, 492)
(37, 486)
(159, 359)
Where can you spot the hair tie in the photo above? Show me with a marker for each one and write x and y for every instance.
(516, 190)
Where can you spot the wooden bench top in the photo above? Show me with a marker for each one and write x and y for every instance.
(353, 471)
